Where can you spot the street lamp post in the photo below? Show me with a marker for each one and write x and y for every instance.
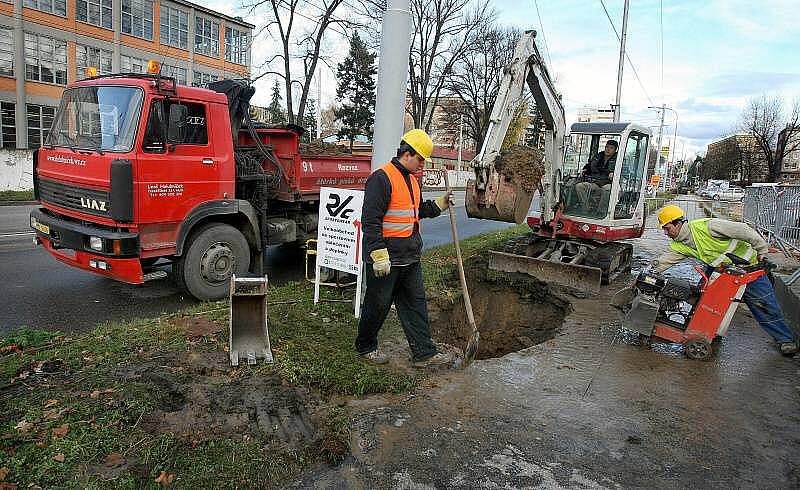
(662, 108)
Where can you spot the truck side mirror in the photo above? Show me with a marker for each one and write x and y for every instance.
(176, 130)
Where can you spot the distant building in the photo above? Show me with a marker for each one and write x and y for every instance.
(444, 128)
(595, 114)
(790, 164)
(47, 44)
(736, 158)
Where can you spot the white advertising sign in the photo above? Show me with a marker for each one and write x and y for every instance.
(339, 235)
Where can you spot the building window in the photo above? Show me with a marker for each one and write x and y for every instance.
(40, 118)
(206, 37)
(45, 59)
(87, 56)
(56, 7)
(137, 18)
(95, 12)
(132, 64)
(174, 27)
(8, 126)
(176, 72)
(6, 51)
(236, 46)
(201, 79)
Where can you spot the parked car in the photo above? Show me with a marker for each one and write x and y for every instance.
(706, 192)
(729, 194)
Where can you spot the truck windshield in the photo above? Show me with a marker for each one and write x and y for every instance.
(102, 118)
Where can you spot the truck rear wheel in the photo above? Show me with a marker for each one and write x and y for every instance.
(214, 253)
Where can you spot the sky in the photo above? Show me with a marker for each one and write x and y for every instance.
(717, 54)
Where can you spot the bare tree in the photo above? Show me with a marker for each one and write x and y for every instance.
(300, 26)
(443, 31)
(476, 79)
(764, 118)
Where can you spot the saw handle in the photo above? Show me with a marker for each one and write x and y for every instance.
(461, 276)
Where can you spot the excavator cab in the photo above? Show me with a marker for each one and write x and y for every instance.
(616, 197)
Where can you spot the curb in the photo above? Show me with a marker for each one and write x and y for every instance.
(18, 203)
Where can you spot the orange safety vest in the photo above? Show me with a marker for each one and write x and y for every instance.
(403, 212)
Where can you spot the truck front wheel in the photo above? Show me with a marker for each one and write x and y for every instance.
(214, 253)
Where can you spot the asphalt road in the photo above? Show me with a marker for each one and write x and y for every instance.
(38, 291)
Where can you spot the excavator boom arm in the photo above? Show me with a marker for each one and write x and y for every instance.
(492, 196)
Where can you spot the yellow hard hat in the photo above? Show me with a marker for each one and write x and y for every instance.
(420, 141)
(669, 213)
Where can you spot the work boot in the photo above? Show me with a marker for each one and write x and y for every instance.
(437, 360)
(788, 348)
(376, 357)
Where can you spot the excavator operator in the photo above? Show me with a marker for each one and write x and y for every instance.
(597, 174)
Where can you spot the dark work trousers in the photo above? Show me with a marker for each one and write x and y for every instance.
(759, 296)
(405, 288)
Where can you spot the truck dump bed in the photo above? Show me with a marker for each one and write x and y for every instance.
(307, 172)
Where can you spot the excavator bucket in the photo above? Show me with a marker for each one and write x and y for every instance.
(503, 188)
(248, 334)
(575, 276)
(502, 200)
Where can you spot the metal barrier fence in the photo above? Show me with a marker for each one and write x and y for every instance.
(775, 212)
(692, 208)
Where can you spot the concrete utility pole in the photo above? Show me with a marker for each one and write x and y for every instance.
(390, 100)
(618, 107)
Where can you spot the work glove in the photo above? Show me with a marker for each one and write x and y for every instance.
(445, 201)
(381, 266)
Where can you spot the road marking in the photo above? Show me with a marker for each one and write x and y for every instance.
(10, 235)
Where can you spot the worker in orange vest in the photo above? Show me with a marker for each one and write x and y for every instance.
(390, 218)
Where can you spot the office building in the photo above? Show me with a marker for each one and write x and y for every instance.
(47, 44)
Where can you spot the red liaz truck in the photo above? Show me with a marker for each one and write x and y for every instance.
(137, 168)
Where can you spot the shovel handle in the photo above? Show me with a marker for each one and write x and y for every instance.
(461, 277)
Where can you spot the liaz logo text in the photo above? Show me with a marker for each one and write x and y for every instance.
(93, 204)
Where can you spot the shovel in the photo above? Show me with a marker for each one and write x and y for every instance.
(472, 344)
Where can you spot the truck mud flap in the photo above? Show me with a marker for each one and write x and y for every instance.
(248, 333)
(575, 276)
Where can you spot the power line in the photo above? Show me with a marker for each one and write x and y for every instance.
(661, 22)
(635, 73)
(544, 38)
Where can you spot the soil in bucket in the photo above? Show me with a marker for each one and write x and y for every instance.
(513, 311)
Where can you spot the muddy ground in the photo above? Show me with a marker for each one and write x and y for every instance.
(586, 408)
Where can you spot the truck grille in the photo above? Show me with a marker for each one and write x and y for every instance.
(85, 200)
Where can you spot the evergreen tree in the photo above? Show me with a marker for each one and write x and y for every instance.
(356, 91)
(275, 109)
(310, 122)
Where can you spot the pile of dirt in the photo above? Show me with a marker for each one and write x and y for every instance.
(513, 311)
(198, 399)
(319, 147)
(522, 165)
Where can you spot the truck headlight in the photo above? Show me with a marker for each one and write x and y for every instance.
(33, 222)
(96, 243)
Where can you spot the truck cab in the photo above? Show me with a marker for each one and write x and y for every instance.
(137, 168)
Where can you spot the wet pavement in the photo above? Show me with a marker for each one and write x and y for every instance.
(590, 408)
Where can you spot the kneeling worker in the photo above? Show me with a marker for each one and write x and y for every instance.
(708, 240)
(393, 248)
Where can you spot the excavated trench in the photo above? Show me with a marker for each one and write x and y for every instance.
(513, 311)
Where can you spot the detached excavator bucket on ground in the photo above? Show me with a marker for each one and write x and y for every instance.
(248, 334)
